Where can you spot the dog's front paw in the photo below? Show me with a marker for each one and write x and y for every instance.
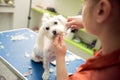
(45, 75)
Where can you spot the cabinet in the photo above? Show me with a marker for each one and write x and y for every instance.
(14, 16)
(6, 14)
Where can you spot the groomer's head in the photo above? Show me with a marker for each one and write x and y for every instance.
(101, 14)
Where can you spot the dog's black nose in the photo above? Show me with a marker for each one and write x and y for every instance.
(47, 28)
(54, 32)
(55, 22)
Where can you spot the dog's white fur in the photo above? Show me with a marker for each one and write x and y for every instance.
(43, 49)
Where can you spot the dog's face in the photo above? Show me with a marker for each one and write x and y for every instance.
(53, 26)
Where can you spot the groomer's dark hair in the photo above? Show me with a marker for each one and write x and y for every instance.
(117, 1)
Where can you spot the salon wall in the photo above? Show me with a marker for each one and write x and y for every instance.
(68, 7)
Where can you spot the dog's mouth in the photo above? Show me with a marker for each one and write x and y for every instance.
(54, 36)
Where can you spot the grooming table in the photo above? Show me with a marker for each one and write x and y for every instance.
(16, 46)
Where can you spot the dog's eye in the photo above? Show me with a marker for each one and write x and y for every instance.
(47, 28)
(55, 22)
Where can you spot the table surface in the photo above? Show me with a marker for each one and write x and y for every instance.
(17, 45)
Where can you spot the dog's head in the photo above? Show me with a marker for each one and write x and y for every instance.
(53, 26)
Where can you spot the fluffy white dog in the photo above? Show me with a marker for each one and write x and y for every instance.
(43, 49)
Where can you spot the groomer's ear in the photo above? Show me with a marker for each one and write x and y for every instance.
(103, 10)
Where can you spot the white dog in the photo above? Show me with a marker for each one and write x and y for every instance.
(43, 49)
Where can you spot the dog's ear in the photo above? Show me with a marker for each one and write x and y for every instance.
(46, 17)
(62, 19)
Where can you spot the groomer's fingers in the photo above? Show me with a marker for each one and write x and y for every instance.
(69, 19)
(61, 40)
(76, 27)
(56, 41)
(72, 22)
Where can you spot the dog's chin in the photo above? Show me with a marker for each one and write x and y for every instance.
(52, 37)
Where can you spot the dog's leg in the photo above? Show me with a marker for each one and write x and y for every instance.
(37, 55)
(46, 63)
(40, 38)
(38, 47)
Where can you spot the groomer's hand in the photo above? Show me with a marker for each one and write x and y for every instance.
(60, 49)
(59, 46)
(75, 22)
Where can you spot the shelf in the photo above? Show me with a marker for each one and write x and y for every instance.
(41, 11)
(7, 9)
(6, 5)
(81, 46)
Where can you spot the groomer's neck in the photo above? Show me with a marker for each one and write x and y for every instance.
(110, 40)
